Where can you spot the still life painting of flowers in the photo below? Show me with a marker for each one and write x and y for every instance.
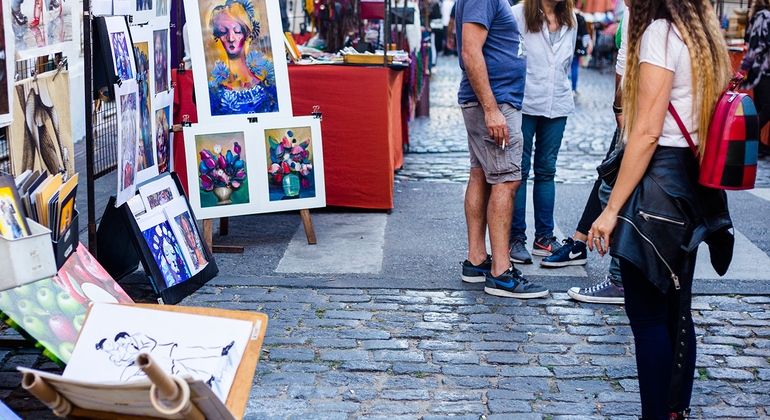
(290, 163)
(222, 169)
(239, 57)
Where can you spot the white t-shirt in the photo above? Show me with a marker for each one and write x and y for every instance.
(662, 46)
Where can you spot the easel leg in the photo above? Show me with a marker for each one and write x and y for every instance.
(309, 231)
(207, 232)
(224, 226)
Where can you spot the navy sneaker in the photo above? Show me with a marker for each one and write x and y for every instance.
(545, 246)
(475, 273)
(604, 292)
(511, 284)
(571, 253)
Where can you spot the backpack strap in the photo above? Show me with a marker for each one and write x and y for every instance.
(685, 133)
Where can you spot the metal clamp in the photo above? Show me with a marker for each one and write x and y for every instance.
(317, 113)
(253, 119)
(186, 121)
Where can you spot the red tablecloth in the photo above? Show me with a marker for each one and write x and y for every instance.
(363, 129)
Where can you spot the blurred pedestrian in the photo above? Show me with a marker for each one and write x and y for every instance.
(756, 63)
(584, 46)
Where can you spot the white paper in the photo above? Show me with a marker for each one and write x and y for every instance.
(159, 192)
(187, 235)
(128, 140)
(8, 58)
(101, 7)
(207, 348)
(123, 7)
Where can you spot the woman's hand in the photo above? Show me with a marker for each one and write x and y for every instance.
(601, 230)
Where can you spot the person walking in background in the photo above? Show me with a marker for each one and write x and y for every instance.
(491, 92)
(583, 47)
(573, 250)
(756, 63)
(549, 33)
(677, 59)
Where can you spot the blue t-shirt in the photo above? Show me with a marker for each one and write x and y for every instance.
(504, 55)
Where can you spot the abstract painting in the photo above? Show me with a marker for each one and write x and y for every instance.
(237, 51)
(164, 247)
(128, 139)
(120, 47)
(45, 140)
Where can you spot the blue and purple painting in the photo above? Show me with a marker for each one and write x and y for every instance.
(165, 249)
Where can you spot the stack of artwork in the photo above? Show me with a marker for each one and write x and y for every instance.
(169, 230)
(274, 164)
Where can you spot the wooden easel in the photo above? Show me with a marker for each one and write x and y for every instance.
(224, 228)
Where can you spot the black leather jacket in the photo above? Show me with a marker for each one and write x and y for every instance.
(668, 215)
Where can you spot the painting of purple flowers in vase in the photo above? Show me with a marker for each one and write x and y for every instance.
(290, 163)
(222, 172)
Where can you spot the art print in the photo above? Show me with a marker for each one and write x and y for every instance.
(183, 225)
(41, 133)
(147, 167)
(237, 51)
(162, 119)
(128, 139)
(142, 5)
(43, 27)
(11, 218)
(7, 58)
(161, 58)
(158, 192)
(120, 47)
(219, 171)
(207, 348)
(161, 8)
(293, 174)
(164, 247)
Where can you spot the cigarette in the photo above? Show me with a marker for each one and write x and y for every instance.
(503, 144)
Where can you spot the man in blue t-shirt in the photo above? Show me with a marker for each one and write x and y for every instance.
(494, 65)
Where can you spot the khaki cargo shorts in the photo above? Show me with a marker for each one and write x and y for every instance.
(499, 165)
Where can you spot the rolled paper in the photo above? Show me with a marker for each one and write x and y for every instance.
(38, 387)
(167, 388)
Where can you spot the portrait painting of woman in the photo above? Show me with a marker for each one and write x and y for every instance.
(160, 45)
(241, 71)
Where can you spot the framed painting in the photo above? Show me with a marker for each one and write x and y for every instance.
(162, 120)
(161, 56)
(147, 163)
(238, 53)
(43, 27)
(7, 58)
(293, 175)
(164, 247)
(41, 133)
(183, 225)
(127, 99)
(219, 170)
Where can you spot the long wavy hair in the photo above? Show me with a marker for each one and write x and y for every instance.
(701, 32)
(758, 6)
(534, 16)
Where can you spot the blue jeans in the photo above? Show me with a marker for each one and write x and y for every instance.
(547, 133)
(574, 76)
(654, 319)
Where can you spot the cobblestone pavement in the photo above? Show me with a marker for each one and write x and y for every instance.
(401, 354)
(439, 147)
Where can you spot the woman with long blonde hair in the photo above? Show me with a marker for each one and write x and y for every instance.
(658, 213)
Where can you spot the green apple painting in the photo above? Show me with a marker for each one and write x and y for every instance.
(51, 312)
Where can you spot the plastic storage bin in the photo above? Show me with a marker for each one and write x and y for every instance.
(27, 259)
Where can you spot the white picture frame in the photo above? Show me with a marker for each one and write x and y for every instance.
(126, 97)
(211, 62)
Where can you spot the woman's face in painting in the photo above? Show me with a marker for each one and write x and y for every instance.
(230, 35)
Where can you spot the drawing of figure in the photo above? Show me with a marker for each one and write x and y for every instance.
(245, 82)
(43, 137)
(209, 364)
(161, 138)
(191, 240)
(10, 218)
(161, 60)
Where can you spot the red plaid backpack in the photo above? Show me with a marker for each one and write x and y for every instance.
(730, 158)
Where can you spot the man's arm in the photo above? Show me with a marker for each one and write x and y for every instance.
(474, 36)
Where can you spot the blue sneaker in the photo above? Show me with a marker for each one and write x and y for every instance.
(511, 284)
(475, 273)
(570, 253)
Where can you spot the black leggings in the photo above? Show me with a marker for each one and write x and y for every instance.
(654, 317)
(762, 100)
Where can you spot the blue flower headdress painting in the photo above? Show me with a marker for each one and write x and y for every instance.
(167, 253)
(239, 57)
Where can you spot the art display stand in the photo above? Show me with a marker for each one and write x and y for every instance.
(76, 400)
(121, 247)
